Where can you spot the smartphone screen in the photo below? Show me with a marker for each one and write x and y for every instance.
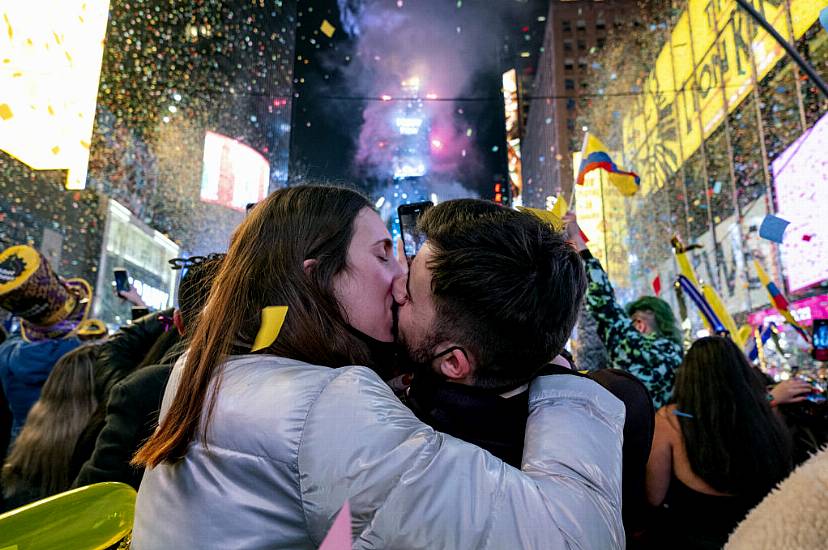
(820, 339)
(413, 239)
(121, 279)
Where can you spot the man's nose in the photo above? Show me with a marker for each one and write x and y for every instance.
(399, 289)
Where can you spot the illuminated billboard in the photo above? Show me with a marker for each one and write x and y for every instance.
(702, 73)
(52, 52)
(800, 177)
(511, 108)
(234, 174)
(144, 252)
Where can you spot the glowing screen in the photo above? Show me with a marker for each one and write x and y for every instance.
(800, 176)
(234, 174)
(51, 65)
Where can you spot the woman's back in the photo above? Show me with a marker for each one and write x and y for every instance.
(250, 466)
(693, 513)
(717, 451)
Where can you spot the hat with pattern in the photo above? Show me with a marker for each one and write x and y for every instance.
(48, 306)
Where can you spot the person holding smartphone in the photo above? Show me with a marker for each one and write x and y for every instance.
(125, 291)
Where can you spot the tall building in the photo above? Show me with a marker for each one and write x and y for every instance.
(163, 120)
(724, 129)
(574, 29)
(520, 50)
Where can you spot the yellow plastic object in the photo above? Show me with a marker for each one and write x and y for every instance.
(544, 215)
(88, 518)
(724, 316)
(273, 317)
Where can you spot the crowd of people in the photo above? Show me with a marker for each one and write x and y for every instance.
(436, 397)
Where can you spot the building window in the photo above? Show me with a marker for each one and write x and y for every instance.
(567, 44)
(582, 44)
(581, 25)
(569, 64)
(570, 124)
(600, 41)
(569, 84)
(570, 104)
(582, 64)
(566, 25)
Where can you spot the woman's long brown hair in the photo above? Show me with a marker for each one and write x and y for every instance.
(264, 267)
(39, 460)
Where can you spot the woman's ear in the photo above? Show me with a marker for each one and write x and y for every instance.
(308, 265)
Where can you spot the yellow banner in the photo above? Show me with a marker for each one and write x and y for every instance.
(702, 73)
(51, 65)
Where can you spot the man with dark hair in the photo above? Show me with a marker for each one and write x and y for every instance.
(488, 305)
(134, 403)
(502, 283)
(490, 301)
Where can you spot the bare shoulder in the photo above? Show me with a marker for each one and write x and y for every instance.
(665, 417)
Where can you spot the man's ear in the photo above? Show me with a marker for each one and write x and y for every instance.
(308, 265)
(178, 322)
(456, 366)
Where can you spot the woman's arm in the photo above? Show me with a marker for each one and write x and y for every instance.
(660, 464)
(411, 487)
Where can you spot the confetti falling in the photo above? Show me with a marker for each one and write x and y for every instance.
(716, 197)
(170, 73)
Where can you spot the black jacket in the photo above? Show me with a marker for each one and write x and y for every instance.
(120, 355)
(131, 417)
(124, 351)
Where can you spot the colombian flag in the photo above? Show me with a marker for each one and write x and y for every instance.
(778, 300)
(595, 156)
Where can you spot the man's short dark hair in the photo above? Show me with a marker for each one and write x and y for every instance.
(506, 286)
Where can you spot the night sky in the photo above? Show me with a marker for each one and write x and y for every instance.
(328, 105)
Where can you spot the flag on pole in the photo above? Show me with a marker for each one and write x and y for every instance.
(778, 300)
(657, 285)
(595, 156)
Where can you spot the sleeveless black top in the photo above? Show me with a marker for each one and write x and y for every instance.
(689, 519)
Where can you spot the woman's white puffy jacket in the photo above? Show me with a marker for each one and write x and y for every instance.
(290, 442)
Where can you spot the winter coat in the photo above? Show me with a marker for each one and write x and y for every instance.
(125, 350)
(120, 355)
(290, 442)
(131, 418)
(24, 368)
(651, 358)
(793, 515)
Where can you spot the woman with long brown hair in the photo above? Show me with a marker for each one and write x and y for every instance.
(38, 464)
(717, 451)
(262, 449)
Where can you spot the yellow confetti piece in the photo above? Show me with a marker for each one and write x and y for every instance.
(561, 207)
(55, 150)
(5, 112)
(273, 317)
(544, 215)
(327, 29)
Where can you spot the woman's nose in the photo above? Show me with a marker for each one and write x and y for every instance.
(399, 289)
